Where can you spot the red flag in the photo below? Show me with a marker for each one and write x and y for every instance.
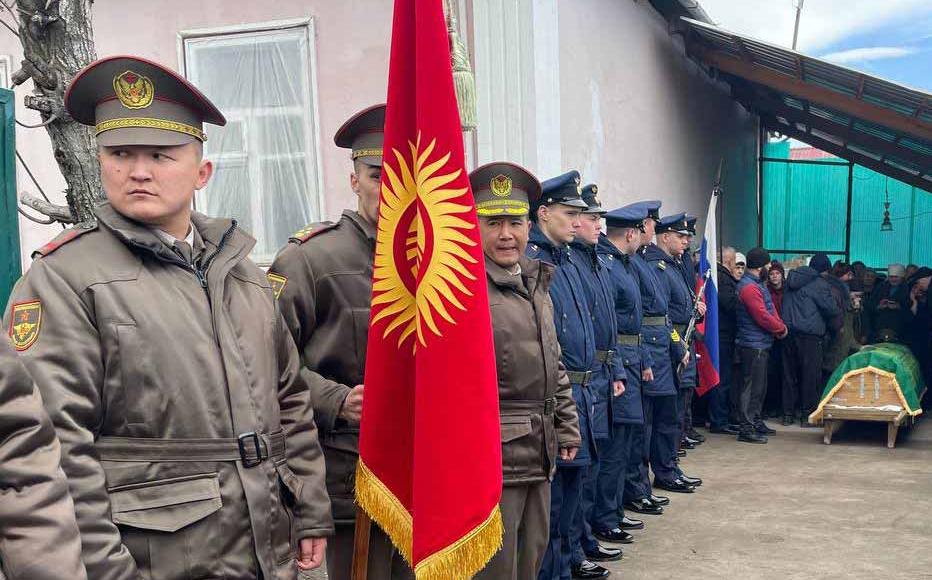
(430, 468)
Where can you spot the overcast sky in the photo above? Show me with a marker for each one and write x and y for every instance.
(888, 38)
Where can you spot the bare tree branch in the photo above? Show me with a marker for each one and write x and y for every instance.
(59, 213)
(45, 222)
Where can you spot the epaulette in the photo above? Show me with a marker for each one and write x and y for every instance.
(308, 232)
(63, 238)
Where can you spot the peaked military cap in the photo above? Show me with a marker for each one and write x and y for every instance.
(673, 223)
(691, 224)
(364, 133)
(590, 196)
(134, 101)
(564, 189)
(629, 216)
(502, 188)
(653, 208)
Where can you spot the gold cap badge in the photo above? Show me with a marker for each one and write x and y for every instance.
(134, 91)
(501, 185)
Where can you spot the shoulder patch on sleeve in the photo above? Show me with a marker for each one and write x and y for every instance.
(62, 239)
(25, 322)
(277, 282)
(662, 265)
(308, 232)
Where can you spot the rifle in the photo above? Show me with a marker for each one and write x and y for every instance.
(691, 328)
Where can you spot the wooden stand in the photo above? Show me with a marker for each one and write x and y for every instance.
(361, 545)
(834, 417)
(866, 396)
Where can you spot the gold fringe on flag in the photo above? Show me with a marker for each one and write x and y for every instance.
(460, 560)
(385, 509)
(463, 80)
(464, 558)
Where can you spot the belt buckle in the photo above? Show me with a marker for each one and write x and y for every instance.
(609, 354)
(587, 376)
(252, 439)
(549, 406)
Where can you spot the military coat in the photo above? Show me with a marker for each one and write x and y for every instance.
(681, 300)
(39, 537)
(324, 282)
(632, 358)
(600, 296)
(657, 338)
(573, 322)
(187, 435)
(538, 414)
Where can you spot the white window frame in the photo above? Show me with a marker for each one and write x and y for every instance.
(309, 28)
(6, 71)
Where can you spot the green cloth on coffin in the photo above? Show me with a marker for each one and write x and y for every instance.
(893, 358)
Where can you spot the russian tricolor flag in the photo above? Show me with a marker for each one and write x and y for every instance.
(707, 348)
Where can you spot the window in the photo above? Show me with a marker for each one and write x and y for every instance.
(266, 161)
(5, 71)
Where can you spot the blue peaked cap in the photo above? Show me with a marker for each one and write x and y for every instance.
(565, 189)
(691, 224)
(674, 223)
(629, 216)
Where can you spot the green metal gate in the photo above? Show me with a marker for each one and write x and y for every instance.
(10, 259)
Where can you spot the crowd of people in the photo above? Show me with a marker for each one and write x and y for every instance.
(205, 414)
(818, 314)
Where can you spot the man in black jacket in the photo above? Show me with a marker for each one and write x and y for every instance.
(719, 397)
(808, 309)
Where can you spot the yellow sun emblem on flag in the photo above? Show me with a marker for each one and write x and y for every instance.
(421, 252)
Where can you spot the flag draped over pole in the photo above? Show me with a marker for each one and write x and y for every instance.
(708, 347)
(430, 468)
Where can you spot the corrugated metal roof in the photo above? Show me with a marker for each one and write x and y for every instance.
(860, 117)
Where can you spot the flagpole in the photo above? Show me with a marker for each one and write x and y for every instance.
(361, 545)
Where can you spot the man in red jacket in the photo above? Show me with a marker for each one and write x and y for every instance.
(758, 325)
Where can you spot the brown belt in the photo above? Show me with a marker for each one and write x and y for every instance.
(250, 448)
(654, 321)
(579, 377)
(604, 356)
(629, 339)
(546, 406)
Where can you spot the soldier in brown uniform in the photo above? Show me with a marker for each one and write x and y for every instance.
(538, 414)
(323, 280)
(39, 538)
(187, 435)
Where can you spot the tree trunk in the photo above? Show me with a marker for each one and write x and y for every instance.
(58, 41)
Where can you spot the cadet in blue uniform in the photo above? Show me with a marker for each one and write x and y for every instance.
(672, 241)
(655, 341)
(662, 426)
(687, 379)
(556, 218)
(607, 379)
(615, 249)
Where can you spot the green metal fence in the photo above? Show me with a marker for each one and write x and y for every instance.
(829, 205)
(10, 266)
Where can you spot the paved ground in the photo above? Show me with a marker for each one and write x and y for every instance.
(796, 508)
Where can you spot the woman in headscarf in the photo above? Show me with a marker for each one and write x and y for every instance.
(773, 400)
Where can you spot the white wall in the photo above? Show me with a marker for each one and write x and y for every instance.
(644, 122)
